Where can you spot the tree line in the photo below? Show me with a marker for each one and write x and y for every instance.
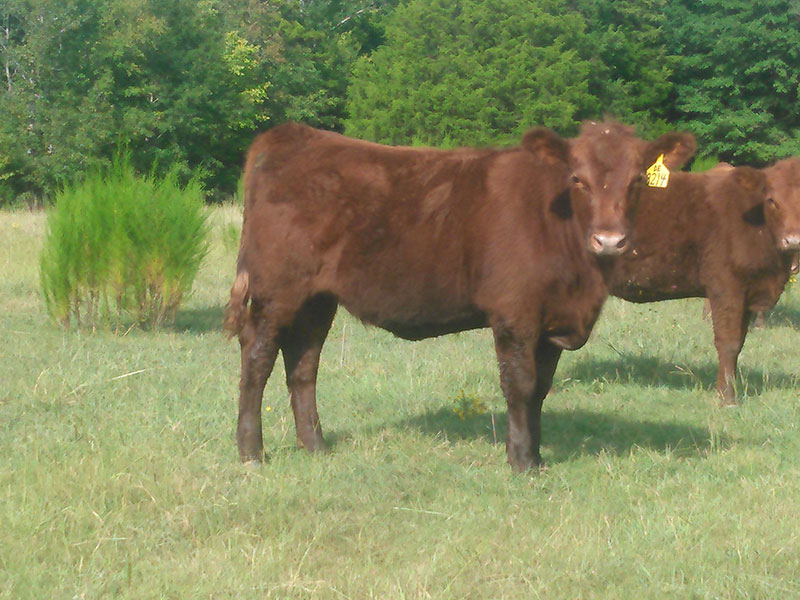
(187, 84)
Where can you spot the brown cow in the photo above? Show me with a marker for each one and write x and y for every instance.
(424, 242)
(730, 235)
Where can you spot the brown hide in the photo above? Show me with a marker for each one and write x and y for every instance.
(714, 235)
(782, 211)
(424, 242)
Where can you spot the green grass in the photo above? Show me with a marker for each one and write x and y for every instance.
(120, 476)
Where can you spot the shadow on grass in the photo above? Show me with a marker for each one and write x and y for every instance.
(652, 371)
(567, 433)
(782, 316)
(199, 320)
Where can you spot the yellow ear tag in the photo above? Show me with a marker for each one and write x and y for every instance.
(658, 173)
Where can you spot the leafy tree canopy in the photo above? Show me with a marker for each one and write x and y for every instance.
(737, 83)
(471, 72)
(631, 70)
(176, 82)
(189, 83)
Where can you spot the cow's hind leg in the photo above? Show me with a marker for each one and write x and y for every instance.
(730, 319)
(301, 344)
(258, 339)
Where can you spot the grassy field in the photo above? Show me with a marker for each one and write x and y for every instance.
(121, 480)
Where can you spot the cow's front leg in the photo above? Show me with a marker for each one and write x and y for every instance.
(730, 318)
(547, 356)
(516, 358)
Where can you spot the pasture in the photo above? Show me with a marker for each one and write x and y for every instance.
(120, 476)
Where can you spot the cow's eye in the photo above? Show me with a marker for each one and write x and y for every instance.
(576, 180)
(771, 202)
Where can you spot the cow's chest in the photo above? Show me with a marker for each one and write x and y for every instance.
(764, 293)
(571, 309)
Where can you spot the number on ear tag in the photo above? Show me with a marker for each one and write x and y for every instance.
(658, 173)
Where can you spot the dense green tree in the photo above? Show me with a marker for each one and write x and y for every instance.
(90, 76)
(631, 70)
(189, 83)
(187, 102)
(471, 72)
(737, 83)
(320, 41)
(177, 82)
(55, 121)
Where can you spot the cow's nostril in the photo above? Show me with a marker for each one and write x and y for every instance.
(791, 242)
(608, 244)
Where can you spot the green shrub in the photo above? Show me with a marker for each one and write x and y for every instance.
(120, 248)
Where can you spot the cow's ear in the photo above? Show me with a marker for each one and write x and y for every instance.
(546, 144)
(676, 146)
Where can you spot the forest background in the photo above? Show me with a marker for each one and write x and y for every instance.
(190, 83)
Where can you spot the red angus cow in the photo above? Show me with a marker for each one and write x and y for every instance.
(730, 235)
(425, 242)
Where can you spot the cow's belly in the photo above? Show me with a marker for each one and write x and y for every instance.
(402, 293)
(421, 330)
(634, 291)
(410, 321)
(411, 308)
(649, 274)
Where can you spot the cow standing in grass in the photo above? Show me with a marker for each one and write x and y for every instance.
(425, 242)
(731, 235)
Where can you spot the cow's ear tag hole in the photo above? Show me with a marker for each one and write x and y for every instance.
(658, 173)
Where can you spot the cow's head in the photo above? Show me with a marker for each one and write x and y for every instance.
(782, 206)
(607, 171)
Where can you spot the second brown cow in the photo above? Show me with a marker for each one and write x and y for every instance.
(426, 242)
(730, 235)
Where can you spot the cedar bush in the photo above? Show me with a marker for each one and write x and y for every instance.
(121, 249)
(472, 72)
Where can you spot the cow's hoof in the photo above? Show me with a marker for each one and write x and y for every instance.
(530, 466)
(254, 459)
(532, 469)
(252, 465)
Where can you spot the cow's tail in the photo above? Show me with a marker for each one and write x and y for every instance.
(236, 310)
(237, 307)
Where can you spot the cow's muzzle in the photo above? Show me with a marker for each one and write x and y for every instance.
(790, 243)
(608, 243)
